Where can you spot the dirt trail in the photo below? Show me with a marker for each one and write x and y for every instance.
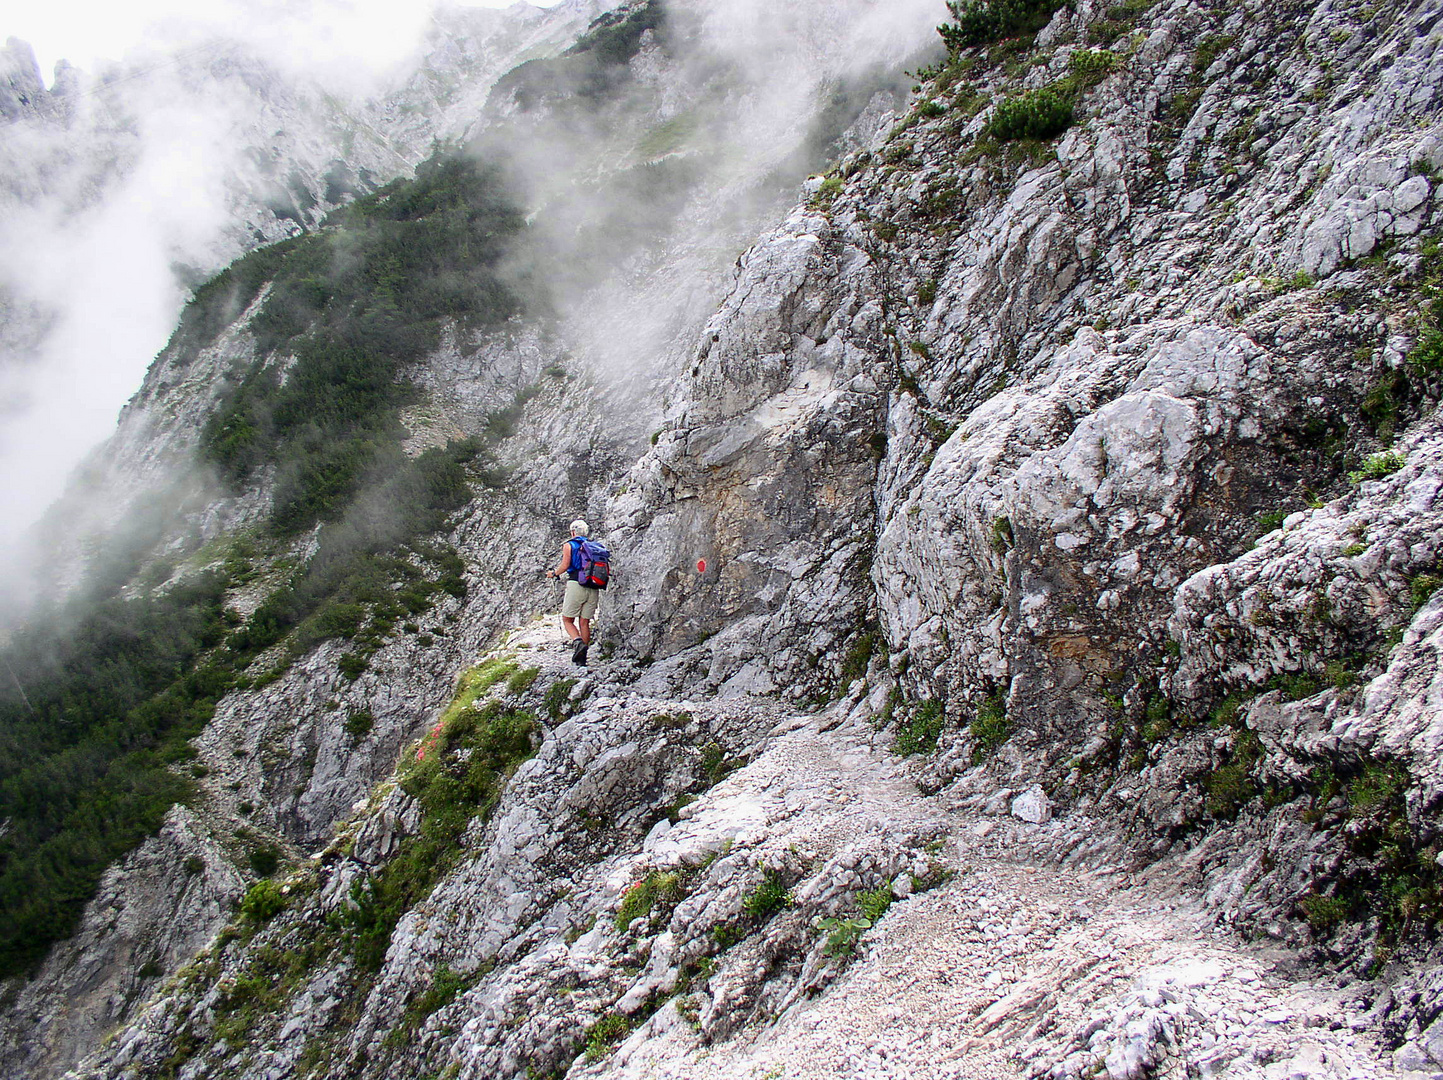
(1020, 966)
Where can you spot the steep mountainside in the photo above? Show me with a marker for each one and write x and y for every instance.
(122, 188)
(281, 477)
(1024, 648)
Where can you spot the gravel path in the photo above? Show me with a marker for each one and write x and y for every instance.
(1022, 967)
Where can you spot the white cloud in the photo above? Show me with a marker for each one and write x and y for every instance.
(353, 35)
(86, 279)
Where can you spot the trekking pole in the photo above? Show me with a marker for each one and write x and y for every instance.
(559, 624)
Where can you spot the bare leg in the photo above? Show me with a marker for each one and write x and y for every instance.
(585, 630)
(569, 625)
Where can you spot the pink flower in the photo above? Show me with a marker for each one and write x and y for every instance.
(428, 742)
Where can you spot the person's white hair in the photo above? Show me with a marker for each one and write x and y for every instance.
(580, 528)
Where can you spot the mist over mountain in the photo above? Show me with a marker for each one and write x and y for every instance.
(1014, 426)
(124, 189)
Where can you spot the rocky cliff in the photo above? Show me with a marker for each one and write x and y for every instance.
(1057, 695)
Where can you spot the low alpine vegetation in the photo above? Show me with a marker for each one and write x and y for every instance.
(1377, 467)
(603, 1035)
(657, 887)
(458, 774)
(843, 932)
(263, 901)
(769, 897)
(919, 731)
(1036, 114)
(980, 22)
(991, 727)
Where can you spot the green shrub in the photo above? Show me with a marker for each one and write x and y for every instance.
(459, 774)
(725, 935)
(1035, 114)
(991, 727)
(873, 904)
(918, 734)
(673, 811)
(1157, 719)
(1377, 467)
(1091, 66)
(1209, 49)
(979, 22)
(1421, 588)
(217, 303)
(830, 188)
(1388, 877)
(1384, 401)
(353, 665)
(615, 36)
(557, 698)
(355, 303)
(1323, 912)
(858, 656)
(264, 861)
(656, 887)
(1375, 787)
(1297, 685)
(1231, 785)
(358, 724)
(1340, 674)
(605, 1034)
(1271, 520)
(263, 901)
(1183, 104)
(715, 765)
(445, 986)
(1226, 712)
(843, 933)
(768, 897)
(112, 695)
(1426, 356)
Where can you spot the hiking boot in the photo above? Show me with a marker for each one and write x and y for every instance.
(582, 658)
(578, 651)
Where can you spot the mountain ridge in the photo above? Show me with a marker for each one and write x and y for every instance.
(1051, 442)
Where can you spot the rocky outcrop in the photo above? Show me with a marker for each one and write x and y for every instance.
(156, 909)
(764, 476)
(23, 94)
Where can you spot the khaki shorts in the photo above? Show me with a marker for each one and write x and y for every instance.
(579, 603)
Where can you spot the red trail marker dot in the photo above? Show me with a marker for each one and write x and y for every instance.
(701, 566)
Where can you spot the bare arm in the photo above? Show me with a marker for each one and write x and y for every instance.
(565, 563)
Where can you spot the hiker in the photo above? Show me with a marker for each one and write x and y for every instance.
(586, 566)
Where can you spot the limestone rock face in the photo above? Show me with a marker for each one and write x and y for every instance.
(156, 909)
(765, 473)
(1024, 651)
(22, 91)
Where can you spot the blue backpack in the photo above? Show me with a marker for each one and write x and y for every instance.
(593, 564)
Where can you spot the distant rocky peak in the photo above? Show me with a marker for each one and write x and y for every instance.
(22, 90)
